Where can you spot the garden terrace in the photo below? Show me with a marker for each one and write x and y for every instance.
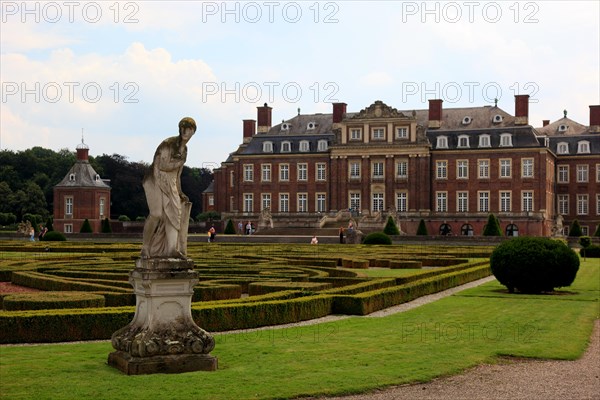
(240, 285)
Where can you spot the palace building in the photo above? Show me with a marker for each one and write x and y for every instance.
(451, 167)
(81, 195)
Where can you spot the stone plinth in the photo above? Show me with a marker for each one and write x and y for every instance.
(162, 337)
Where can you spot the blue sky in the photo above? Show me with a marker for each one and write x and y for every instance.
(126, 72)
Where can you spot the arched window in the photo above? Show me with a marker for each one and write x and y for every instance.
(484, 140)
(267, 147)
(562, 148)
(583, 147)
(445, 230)
(512, 230)
(322, 145)
(506, 140)
(466, 230)
(463, 141)
(286, 147)
(304, 145)
(442, 142)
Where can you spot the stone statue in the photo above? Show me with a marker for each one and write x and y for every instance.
(557, 229)
(165, 230)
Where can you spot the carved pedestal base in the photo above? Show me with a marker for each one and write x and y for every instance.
(162, 338)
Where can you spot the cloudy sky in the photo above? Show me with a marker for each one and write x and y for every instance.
(126, 72)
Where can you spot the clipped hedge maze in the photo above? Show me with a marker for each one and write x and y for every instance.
(85, 293)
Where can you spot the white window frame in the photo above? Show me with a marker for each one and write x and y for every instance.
(284, 172)
(583, 147)
(354, 199)
(248, 202)
(462, 169)
(402, 169)
(377, 169)
(68, 228)
(441, 169)
(102, 207)
(484, 141)
(401, 132)
(267, 147)
(284, 202)
(562, 148)
(321, 202)
(483, 168)
(302, 202)
(527, 200)
(302, 171)
(321, 172)
(322, 145)
(355, 134)
(401, 201)
(265, 172)
(441, 201)
(286, 146)
(583, 173)
(69, 206)
(505, 165)
(483, 203)
(562, 173)
(505, 201)
(378, 133)
(465, 139)
(582, 204)
(304, 146)
(248, 172)
(462, 202)
(378, 201)
(441, 142)
(506, 140)
(527, 167)
(265, 201)
(354, 169)
(562, 201)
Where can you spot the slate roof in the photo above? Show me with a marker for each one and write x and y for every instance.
(593, 139)
(83, 176)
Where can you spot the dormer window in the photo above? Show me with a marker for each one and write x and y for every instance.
(442, 142)
(467, 120)
(304, 146)
(72, 178)
(97, 178)
(285, 126)
(583, 147)
(506, 140)
(311, 126)
(484, 140)
(562, 148)
(322, 145)
(562, 128)
(496, 119)
(463, 141)
(286, 147)
(267, 147)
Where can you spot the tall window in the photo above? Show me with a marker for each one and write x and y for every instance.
(248, 202)
(484, 202)
(462, 202)
(68, 205)
(266, 201)
(441, 169)
(401, 202)
(505, 203)
(463, 141)
(583, 147)
(284, 202)
(505, 168)
(321, 205)
(322, 145)
(562, 148)
(321, 171)
(598, 204)
(266, 172)
(231, 179)
(597, 172)
(563, 174)
(304, 146)
(527, 167)
(582, 204)
(267, 147)
(527, 201)
(582, 173)
(401, 133)
(355, 201)
(462, 169)
(286, 147)
(302, 202)
(302, 172)
(441, 201)
(248, 172)
(377, 170)
(563, 204)
(354, 169)
(378, 133)
(101, 207)
(377, 202)
(484, 169)
(284, 172)
(402, 169)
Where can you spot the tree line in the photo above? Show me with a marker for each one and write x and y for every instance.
(27, 179)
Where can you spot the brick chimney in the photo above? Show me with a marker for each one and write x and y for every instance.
(339, 110)
(264, 118)
(595, 119)
(249, 129)
(435, 113)
(82, 151)
(521, 109)
(545, 122)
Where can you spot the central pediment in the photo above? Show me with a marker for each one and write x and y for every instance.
(378, 110)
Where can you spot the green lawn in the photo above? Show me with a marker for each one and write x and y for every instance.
(347, 356)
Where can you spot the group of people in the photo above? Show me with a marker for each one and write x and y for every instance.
(41, 233)
(247, 229)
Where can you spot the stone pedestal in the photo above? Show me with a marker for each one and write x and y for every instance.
(162, 337)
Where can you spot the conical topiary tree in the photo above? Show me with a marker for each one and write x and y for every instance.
(229, 229)
(390, 227)
(597, 233)
(422, 229)
(106, 228)
(575, 229)
(49, 225)
(492, 228)
(86, 227)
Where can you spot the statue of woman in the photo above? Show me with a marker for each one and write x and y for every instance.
(165, 230)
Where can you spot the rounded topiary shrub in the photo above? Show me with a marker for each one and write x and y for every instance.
(377, 238)
(54, 236)
(591, 251)
(534, 264)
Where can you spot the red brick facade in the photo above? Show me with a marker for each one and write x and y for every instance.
(449, 167)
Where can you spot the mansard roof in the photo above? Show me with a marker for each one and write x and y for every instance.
(479, 118)
(522, 136)
(572, 140)
(82, 174)
(302, 124)
(563, 127)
